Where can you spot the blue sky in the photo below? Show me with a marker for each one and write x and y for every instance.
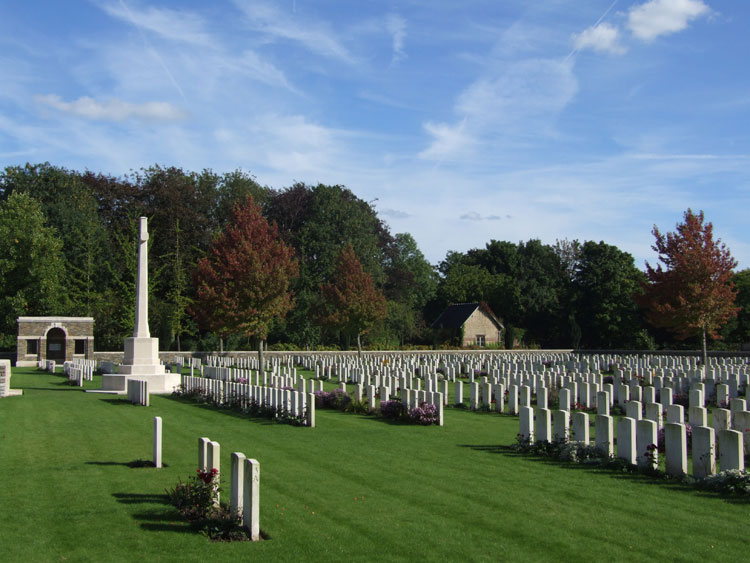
(462, 121)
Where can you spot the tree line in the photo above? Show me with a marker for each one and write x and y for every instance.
(68, 243)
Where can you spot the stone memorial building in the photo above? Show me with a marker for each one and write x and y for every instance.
(54, 338)
(468, 324)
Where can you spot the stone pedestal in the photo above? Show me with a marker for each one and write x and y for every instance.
(141, 357)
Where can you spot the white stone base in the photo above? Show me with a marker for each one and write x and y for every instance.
(141, 357)
(12, 393)
(158, 383)
(26, 363)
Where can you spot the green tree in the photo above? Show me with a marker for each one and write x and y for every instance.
(31, 265)
(411, 282)
(71, 209)
(244, 282)
(531, 288)
(351, 303)
(691, 292)
(468, 283)
(606, 282)
(319, 222)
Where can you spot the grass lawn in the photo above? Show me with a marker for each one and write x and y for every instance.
(353, 489)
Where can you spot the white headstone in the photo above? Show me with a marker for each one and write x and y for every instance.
(238, 482)
(157, 442)
(646, 444)
(251, 499)
(675, 448)
(704, 451)
(580, 428)
(626, 445)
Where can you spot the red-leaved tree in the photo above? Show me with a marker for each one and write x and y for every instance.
(693, 292)
(352, 303)
(244, 282)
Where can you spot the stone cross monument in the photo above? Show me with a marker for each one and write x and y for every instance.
(141, 357)
(141, 351)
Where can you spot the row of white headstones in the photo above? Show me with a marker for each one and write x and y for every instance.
(296, 403)
(636, 436)
(274, 393)
(77, 371)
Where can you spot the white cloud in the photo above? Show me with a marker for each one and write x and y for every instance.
(113, 109)
(176, 25)
(528, 88)
(519, 103)
(313, 35)
(662, 17)
(603, 38)
(448, 141)
(396, 26)
(261, 70)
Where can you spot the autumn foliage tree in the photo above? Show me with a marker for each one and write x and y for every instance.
(692, 293)
(352, 303)
(244, 282)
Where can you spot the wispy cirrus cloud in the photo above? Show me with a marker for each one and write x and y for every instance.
(175, 25)
(396, 26)
(520, 102)
(113, 109)
(314, 35)
(254, 66)
(663, 17)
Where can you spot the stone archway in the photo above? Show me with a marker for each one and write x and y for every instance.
(56, 344)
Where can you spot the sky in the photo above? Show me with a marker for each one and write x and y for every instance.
(460, 122)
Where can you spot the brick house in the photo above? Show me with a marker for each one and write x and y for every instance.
(468, 324)
(54, 338)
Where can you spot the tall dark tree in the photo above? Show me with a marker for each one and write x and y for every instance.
(606, 282)
(691, 292)
(319, 222)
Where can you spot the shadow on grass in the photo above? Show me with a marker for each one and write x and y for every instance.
(141, 498)
(493, 449)
(135, 464)
(630, 475)
(58, 386)
(119, 401)
(163, 519)
(230, 411)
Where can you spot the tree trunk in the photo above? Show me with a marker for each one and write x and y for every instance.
(221, 345)
(705, 354)
(359, 346)
(261, 364)
(178, 342)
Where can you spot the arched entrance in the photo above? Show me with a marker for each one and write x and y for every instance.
(56, 345)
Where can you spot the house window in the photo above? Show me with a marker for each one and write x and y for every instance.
(32, 347)
(80, 347)
(480, 339)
